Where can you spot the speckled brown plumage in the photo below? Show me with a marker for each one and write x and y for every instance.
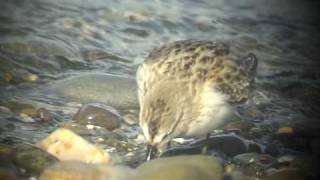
(177, 81)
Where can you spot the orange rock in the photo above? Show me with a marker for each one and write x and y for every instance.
(66, 145)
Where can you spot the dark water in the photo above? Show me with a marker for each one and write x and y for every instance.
(44, 41)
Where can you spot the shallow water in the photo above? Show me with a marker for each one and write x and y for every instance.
(43, 42)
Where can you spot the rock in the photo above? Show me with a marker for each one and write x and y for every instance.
(241, 124)
(185, 150)
(263, 160)
(230, 145)
(98, 115)
(315, 146)
(285, 130)
(83, 171)
(66, 145)
(131, 119)
(4, 110)
(22, 108)
(194, 167)
(254, 147)
(256, 132)
(307, 164)
(31, 158)
(287, 174)
(75, 127)
(44, 115)
(274, 148)
(7, 170)
(115, 91)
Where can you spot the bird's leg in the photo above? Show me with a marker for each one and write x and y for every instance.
(169, 145)
(151, 152)
(204, 150)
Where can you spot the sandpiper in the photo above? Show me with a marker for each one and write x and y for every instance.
(189, 88)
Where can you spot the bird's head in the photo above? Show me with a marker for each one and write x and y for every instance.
(156, 122)
(160, 113)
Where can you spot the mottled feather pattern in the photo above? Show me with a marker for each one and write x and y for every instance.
(187, 88)
(199, 61)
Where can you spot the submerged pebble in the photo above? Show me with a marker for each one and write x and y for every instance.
(98, 115)
(256, 159)
(32, 159)
(231, 145)
(115, 91)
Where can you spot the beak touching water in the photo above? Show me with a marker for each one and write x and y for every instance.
(151, 152)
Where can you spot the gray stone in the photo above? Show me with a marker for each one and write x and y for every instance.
(31, 158)
(112, 90)
(98, 115)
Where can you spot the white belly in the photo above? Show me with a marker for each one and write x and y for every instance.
(214, 111)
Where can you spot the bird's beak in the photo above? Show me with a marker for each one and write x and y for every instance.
(151, 152)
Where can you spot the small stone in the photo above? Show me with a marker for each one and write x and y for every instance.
(7, 77)
(26, 118)
(84, 171)
(285, 159)
(256, 132)
(98, 115)
(44, 115)
(274, 148)
(287, 174)
(18, 108)
(241, 124)
(181, 168)
(285, 130)
(131, 119)
(66, 145)
(7, 174)
(230, 145)
(263, 160)
(185, 150)
(315, 146)
(254, 147)
(31, 158)
(31, 77)
(4, 110)
(32, 112)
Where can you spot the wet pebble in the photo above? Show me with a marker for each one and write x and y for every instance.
(263, 160)
(5, 110)
(131, 119)
(8, 170)
(44, 115)
(181, 168)
(286, 174)
(84, 171)
(230, 145)
(186, 150)
(115, 91)
(219, 145)
(136, 32)
(241, 124)
(21, 108)
(32, 159)
(98, 115)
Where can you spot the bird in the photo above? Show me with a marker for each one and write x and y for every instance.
(188, 88)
